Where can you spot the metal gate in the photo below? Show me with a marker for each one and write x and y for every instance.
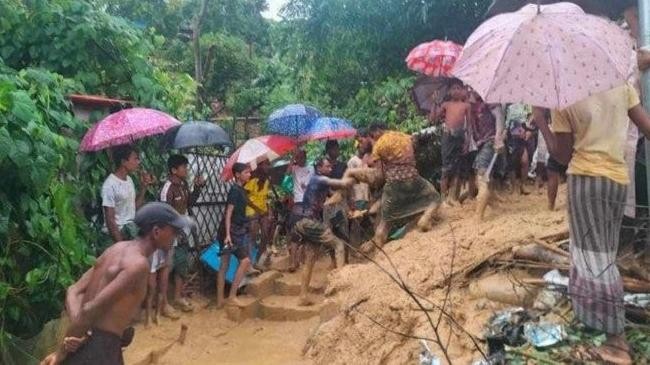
(210, 207)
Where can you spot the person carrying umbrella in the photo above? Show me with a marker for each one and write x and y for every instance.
(591, 136)
(119, 198)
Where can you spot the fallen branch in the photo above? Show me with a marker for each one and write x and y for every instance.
(553, 248)
(560, 236)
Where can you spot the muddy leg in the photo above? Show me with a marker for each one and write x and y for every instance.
(425, 222)
(221, 279)
(244, 265)
(483, 198)
(379, 239)
(151, 293)
(306, 275)
(553, 184)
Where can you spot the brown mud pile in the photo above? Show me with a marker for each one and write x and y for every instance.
(423, 260)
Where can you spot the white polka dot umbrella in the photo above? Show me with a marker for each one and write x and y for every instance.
(549, 56)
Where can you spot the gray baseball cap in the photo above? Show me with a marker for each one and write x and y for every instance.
(161, 213)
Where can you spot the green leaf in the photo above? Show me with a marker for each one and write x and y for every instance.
(4, 290)
(5, 97)
(23, 107)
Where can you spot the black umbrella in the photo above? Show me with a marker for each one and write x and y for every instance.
(197, 134)
(609, 8)
(427, 92)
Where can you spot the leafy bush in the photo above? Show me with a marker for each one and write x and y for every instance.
(44, 237)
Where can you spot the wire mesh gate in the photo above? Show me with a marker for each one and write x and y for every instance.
(210, 207)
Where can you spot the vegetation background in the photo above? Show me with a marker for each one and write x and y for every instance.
(345, 57)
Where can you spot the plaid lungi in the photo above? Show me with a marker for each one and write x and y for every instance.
(596, 207)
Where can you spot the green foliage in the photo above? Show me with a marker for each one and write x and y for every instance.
(104, 53)
(48, 195)
(41, 231)
(340, 46)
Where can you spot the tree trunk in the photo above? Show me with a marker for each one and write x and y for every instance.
(196, 45)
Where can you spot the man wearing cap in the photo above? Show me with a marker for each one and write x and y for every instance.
(102, 304)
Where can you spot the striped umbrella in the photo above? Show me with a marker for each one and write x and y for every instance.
(258, 149)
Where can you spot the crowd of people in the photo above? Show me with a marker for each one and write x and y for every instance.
(342, 207)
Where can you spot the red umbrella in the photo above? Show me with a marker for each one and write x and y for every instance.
(434, 58)
(125, 127)
(259, 149)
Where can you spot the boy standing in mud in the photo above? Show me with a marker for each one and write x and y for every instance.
(102, 304)
(455, 113)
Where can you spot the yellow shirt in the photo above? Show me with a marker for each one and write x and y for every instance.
(599, 126)
(256, 196)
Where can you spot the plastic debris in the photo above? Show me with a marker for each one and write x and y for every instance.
(426, 356)
(638, 300)
(544, 334)
(555, 278)
(506, 328)
(547, 299)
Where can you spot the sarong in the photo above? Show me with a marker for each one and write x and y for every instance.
(596, 207)
(102, 348)
(406, 198)
(453, 144)
(315, 233)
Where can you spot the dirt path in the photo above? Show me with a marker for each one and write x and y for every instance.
(423, 259)
(214, 339)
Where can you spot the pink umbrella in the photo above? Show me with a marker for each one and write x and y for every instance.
(434, 58)
(258, 149)
(125, 127)
(550, 56)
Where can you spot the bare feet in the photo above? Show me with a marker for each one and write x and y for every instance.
(234, 301)
(367, 247)
(614, 351)
(305, 301)
(169, 312)
(424, 224)
(184, 305)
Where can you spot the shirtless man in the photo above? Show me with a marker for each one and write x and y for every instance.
(455, 113)
(102, 304)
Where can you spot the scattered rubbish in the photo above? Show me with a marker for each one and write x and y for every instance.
(503, 289)
(495, 359)
(555, 278)
(426, 356)
(638, 300)
(544, 334)
(506, 328)
(547, 299)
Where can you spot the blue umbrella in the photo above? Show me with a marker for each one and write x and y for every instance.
(197, 134)
(293, 120)
(328, 128)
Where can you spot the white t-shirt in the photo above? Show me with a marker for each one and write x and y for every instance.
(120, 195)
(301, 176)
(360, 191)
